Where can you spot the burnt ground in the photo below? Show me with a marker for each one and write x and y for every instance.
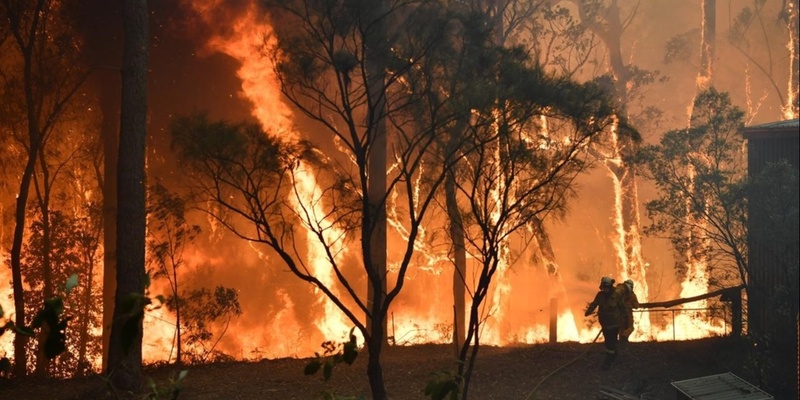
(545, 371)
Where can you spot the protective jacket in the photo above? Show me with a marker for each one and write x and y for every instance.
(629, 301)
(610, 308)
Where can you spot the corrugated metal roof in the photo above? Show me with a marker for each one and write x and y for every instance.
(789, 123)
(725, 386)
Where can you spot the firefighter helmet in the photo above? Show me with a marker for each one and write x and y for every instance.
(606, 282)
(629, 283)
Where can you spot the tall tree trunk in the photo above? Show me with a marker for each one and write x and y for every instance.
(707, 45)
(460, 259)
(104, 46)
(376, 178)
(376, 204)
(20, 341)
(628, 240)
(110, 147)
(374, 369)
(26, 39)
(43, 190)
(101, 25)
(376, 175)
(84, 316)
(125, 364)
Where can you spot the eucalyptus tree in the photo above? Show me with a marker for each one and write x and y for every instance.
(346, 68)
(607, 21)
(700, 175)
(168, 234)
(750, 35)
(41, 74)
(520, 171)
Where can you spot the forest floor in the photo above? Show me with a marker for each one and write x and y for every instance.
(560, 371)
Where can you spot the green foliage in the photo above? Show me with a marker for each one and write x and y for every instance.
(333, 355)
(700, 174)
(680, 48)
(200, 308)
(441, 386)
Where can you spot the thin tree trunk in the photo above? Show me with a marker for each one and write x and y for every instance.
(26, 40)
(376, 183)
(110, 148)
(84, 316)
(20, 341)
(43, 189)
(460, 258)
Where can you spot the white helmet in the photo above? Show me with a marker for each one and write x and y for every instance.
(629, 283)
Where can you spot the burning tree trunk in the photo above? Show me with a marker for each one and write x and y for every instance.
(707, 45)
(609, 28)
(699, 176)
(740, 37)
(791, 9)
(694, 264)
(125, 350)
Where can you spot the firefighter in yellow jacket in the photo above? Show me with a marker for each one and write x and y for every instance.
(630, 301)
(610, 312)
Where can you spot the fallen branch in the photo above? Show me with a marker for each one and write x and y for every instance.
(672, 303)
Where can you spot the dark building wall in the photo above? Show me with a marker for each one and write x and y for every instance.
(767, 263)
(774, 258)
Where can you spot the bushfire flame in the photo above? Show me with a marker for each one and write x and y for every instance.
(422, 314)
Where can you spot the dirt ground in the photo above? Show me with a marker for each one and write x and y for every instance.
(559, 371)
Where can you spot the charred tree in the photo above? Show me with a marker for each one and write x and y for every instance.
(125, 350)
(375, 219)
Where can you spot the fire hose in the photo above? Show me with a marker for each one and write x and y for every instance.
(562, 367)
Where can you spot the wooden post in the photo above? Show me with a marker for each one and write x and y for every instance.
(553, 320)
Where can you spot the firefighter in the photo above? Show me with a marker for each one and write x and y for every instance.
(630, 301)
(610, 313)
